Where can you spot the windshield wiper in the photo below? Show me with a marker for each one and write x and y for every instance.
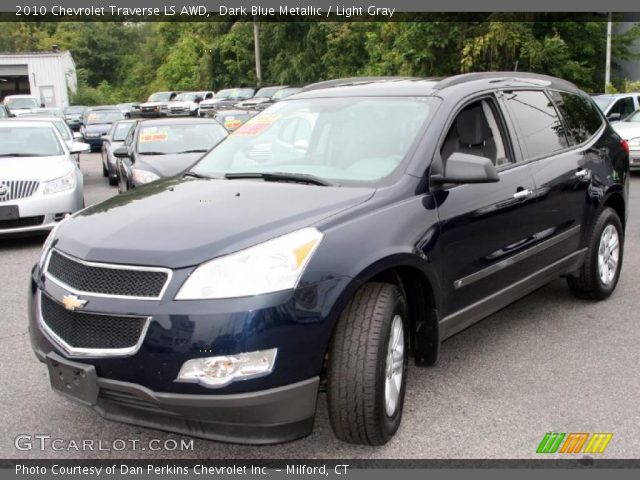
(151, 153)
(195, 150)
(191, 173)
(282, 177)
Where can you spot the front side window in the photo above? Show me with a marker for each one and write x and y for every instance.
(538, 126)
(348, 141)
(120, 131)
(580, 116)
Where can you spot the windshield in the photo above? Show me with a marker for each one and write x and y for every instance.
(603, 101)
(160, 97)
(186, 97)
(285, 92)
(103, 116)
(36, 141)
(74, 110)
(21, 103)
(358, 140)
(3, 113)
(267, 92)
(180, 138)
(224, 93)
(121, 131)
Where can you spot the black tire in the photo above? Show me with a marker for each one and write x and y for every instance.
(113, 181)
(356, 370)
(587, 282)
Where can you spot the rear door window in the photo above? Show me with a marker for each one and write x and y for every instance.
(581, 117)
(536, 121)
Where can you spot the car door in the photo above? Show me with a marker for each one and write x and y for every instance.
(560, 172)
(484, 228)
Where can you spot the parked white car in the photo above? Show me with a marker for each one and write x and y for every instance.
(618, 106)
(40, 182)
(21, 104)
(188, 103)
(629, 129)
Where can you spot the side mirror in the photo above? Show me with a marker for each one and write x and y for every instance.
(78, 147)
(77, 136)
(42, 105)
(613, 117)
(198, 99)
(105, 134)
(464, 168)
(122, 152)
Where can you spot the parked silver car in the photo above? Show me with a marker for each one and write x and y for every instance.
(629, 129)
(40, 182)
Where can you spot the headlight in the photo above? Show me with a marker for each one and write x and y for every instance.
(271, 266)
(61, 184)
(143, 176)
(634, 142)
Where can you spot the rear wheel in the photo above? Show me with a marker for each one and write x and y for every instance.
(599, 274)
(367, 369)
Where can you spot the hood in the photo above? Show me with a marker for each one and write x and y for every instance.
(73, 116)
(153, 104)
(41, 169)
(97, 128)
(182, 221)
(627, 130)
(254, 101)
(217, 101)
(19, 111)
(166, 165)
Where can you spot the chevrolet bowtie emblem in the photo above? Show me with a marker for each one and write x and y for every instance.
(71, 302)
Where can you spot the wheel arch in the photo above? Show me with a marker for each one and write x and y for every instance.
(615, 200)
(414, 277)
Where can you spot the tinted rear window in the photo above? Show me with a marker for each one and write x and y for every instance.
(580, 115)
(539, 128)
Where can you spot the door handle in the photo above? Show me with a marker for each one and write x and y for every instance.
(522, 194)
(583, 174)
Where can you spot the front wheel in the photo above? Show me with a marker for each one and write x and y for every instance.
(599, 274)
(367, 368)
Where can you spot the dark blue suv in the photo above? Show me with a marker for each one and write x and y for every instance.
(336, 235)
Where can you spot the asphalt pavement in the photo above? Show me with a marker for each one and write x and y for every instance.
(549, 362)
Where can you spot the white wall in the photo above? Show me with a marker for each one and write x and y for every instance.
(56, 72)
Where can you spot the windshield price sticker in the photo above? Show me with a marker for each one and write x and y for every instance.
(153, 135)
(256, 126)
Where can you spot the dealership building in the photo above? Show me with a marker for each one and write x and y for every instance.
(50, 76)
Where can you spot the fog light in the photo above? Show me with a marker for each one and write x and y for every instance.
(221, 371)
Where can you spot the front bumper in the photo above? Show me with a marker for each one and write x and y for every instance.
(52, 209)
(270, 416)
(140, 387)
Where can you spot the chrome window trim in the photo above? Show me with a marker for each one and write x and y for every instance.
(89, 352)
(113, 266)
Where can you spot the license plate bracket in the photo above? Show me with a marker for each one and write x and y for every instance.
(78, 381)
(9, 212)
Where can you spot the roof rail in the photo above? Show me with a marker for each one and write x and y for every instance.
(343, 82)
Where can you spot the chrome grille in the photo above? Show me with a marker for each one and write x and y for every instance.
(106, 279)
(16, 189)
(84, 332)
